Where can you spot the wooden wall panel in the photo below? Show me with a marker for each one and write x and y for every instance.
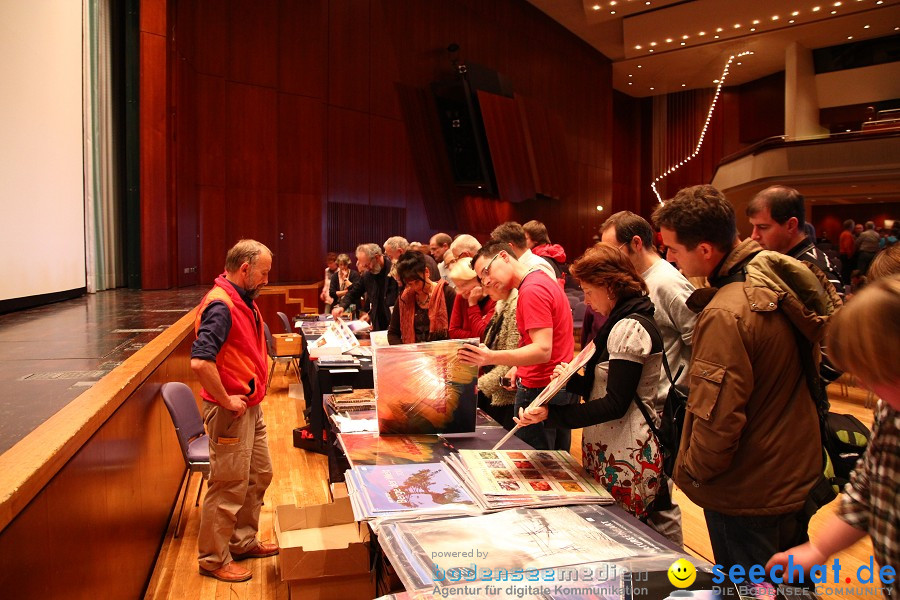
(210, 130)
(250, 137)
(299, 104)
(213, 245)
(156, 219)
(153, 16)
(300, 253)
(252, 42)
(301, 138)
(302, 34)
(186, 161)
(508, 149)
(390, 168)
(348, 156)
(210, 32)
(348, 54)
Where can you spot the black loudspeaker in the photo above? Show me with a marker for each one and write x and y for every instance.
(462, 125)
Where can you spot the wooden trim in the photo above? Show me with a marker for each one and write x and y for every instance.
(27, 467)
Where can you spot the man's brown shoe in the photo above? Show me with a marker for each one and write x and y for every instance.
(260, 550)
(230, 573)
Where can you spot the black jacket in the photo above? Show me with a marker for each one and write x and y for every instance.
(381, 293)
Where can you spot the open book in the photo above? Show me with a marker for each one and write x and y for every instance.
(555, 386)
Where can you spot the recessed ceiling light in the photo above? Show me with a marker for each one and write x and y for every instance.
(596, 7)
(630, 75)
(739, 64)
(651, 49)
(774, 17)
(715, 81)
(795, 13)
(640, 66)
(638, 47)
(630, 83)
(737, 25)
(880, 2)
(682, 43)
(647, 2)
(816, 8)
(838, 3)
(791, 21)
(866, 26)
(669, 40)
(848, 131)
(849, 37)
(717, 37)
(683, 85)
(652, 43)
(702, 33)
(834, 12)
(753, 29)
(651, 89)
(612, 2)
(612, 12)
(756, 21)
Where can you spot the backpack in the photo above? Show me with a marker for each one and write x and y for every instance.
(668, 434)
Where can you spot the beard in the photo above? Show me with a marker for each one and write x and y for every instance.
(375, 268)
(253, 293)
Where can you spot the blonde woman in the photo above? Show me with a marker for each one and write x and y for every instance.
(472, 310)
(862, 340)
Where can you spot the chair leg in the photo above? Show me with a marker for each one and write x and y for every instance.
(200, 489)
(271, 372)
(186, 481)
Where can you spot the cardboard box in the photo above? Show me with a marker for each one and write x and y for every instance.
(287, 344)
(324, 551)
(339, 490)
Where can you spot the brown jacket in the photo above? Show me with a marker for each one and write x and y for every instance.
(751, 442)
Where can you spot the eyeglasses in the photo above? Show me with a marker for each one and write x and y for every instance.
(487, 269)
(622, 244)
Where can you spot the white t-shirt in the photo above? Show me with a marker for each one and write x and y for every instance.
(533, 261)
(669, 291)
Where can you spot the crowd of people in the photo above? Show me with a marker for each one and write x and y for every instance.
(739, 341)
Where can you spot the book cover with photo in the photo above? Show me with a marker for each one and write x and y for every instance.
(377, 449)
(397, 488)
(520, 472)
(424, 388)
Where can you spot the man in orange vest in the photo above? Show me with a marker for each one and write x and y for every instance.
(230, 360)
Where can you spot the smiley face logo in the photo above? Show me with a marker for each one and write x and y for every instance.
(682, 573)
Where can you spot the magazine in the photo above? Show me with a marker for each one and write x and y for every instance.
(424, 388)
(555, 386)
(376, 449)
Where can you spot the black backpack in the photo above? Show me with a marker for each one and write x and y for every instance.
(672, 420)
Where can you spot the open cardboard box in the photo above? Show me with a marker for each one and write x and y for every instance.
(324, 551)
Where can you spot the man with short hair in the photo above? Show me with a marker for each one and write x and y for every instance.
(778, 217)
(230, 360)
(538, 241)
(438, 244)
(514, 234)
(375, 282)
(465, 245)
(750, 450)
(397, 245)
(669, 291)
(867, 246)
(544, 321)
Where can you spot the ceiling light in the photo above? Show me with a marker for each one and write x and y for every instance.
(791, 21)
(739, 64)
(630, 75)
(838, 3)
(865, 26)
(753, 29)
(684, 37)
(737, 25)
(849, 37)
(596, 7)
(774, 17)
(669, 40)
(612, 2)
(719, 29)
(639, 66)
(648, 4)
(816, 8)
(612, 12)
(715, 81)
(652, 43)
(638, 47)
(630, 83)
(795, 13)
(600, 208)
(717, 37)
(756, 21)
(880, 2)
(682, 43)
(683, 85)
(651, 49)
(834, 12)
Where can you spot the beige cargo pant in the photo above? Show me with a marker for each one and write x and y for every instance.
(240, 472)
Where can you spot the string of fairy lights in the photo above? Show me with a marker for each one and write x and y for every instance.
(709, 114)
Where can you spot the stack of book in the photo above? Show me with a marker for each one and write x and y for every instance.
(377, 449)
(518, 478)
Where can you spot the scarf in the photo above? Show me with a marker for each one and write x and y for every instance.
(641, 305)
(437, 312)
